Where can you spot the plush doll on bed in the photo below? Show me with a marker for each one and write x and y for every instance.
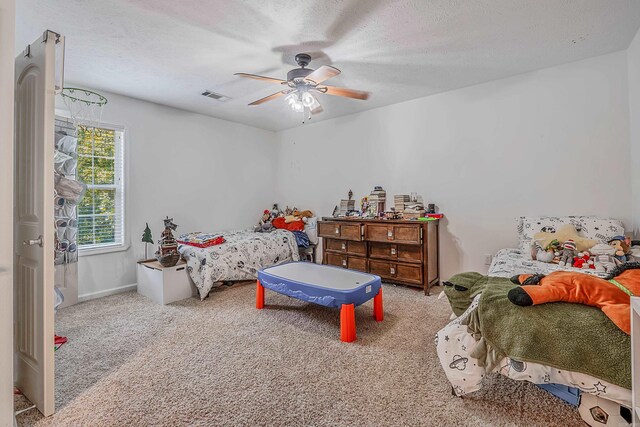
(603, 258)
(621, 245)
(568, 253)
(583, 260)
(610, 294)
(264, 225)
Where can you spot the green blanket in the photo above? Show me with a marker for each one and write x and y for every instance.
(571, 337)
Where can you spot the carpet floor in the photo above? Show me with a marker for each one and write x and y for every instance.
(221, 362)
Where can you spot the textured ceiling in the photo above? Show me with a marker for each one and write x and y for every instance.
(169, 51)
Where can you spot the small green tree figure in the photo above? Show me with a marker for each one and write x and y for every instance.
(147, 238)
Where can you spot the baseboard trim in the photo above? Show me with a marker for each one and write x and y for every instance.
(107, 292)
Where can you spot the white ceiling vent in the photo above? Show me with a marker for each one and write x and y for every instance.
(216, 96)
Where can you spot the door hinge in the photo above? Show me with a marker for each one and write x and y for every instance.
(45, 36)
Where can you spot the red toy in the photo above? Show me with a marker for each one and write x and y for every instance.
(583, 260)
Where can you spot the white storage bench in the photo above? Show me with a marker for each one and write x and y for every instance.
(164, 285)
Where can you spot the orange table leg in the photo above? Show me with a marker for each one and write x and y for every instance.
(378, 312)
(347, 323)
(259, 295)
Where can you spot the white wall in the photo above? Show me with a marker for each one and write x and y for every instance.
(634, 122)
(7, 23)
(207, 174)
(554, 141)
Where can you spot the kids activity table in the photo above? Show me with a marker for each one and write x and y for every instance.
(325, 285)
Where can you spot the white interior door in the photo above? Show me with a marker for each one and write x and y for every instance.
(34, 233)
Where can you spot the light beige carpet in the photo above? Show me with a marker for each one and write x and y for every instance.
(221, 362)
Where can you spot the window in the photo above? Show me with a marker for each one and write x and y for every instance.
(100, 166)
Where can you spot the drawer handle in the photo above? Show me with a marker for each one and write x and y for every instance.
(337, 230)
(393, 271)
(344, 262)
(344, 246)
(390, 233)
(393, 251)
(180, 269)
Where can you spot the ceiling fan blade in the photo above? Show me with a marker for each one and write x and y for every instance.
(264, 78)
(343, 91)
(323, 73)
(270, 97)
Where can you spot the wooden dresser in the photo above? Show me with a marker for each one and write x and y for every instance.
(399, 251)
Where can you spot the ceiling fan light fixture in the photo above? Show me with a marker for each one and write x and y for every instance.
(302, 82)
(292, 98)
(298, 107)
(307, 99)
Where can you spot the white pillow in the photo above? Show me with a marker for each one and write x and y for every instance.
(590, 227)
(311, 228)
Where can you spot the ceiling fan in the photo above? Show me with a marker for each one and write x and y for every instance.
(303, 84)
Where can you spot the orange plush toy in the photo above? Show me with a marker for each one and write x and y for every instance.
(611, 294)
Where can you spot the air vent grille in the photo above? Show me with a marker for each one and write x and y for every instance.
(216, 96)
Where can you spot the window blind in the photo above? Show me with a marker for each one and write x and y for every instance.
(101, 168)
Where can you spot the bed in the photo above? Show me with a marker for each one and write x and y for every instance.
(459, 343)
(240, 257)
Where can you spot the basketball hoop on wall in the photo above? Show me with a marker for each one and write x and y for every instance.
(85, 106)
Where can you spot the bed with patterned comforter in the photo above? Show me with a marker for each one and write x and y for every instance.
(239, 258)
(456, 342)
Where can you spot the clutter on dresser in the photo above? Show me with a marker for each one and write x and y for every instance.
(167, 253)
(377, 202)
(347, 206)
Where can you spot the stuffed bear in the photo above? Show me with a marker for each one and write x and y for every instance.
(603, 258)
(610, 294)
(568, 253)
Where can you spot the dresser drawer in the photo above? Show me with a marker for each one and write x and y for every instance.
(395, 252)
(408, 273)
(340, 230)
(357, 263)
(407, 234)
(335, 245)
(351, 247)
(346, 261)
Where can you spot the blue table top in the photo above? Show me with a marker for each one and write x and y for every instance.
(321, 284)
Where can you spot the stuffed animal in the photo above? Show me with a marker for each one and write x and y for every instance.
(264, 225)
(621, 244)
(539, 254)
(610, 294)
(276, 212)
(603, 258)
(568, 253)
(583, 260)
(554, 247)
(566, 232)
(303, 214)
